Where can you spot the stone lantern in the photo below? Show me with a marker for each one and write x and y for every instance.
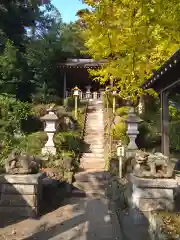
(132, 123)
(50, 120)
(88, 92)
(76, 92)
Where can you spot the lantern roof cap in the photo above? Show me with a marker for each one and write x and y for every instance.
(76, 88)
(132, 117)
(50, 115)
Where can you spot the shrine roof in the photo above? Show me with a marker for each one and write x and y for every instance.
(81, 63)
(166, 76)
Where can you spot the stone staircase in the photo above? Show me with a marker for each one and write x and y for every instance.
(92, 176)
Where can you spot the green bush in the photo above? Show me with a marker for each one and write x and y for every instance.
(122, 111)
(119, 132)
(12, 112)
(68, 142)
(174, 113)
(60, 111)
(39, 110)
(33, 143)
(69, 103)
(174, 135)
(149, 136)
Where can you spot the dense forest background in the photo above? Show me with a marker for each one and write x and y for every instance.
(32, 42)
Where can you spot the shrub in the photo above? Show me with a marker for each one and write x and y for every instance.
(68, 142)
(119, 132)
(69, 103)
(149, 136)
(174, 113)
(33, 143)
(39, 110)
(174, 135)
(122, 111)
(12, 112)
(60, 111)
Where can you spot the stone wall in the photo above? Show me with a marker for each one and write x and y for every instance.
(153, 194)
(21, 194)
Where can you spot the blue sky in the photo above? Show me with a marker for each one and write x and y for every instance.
(68, 8)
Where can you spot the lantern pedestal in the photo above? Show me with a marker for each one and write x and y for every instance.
(95, 95)
(132, 138)
(88, 92)
(76, 95)
(50, 128)
(49, 146)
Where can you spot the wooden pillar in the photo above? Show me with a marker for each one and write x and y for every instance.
(164, 123)
(64, 85)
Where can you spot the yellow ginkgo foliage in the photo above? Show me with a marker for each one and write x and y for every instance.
(135, 37)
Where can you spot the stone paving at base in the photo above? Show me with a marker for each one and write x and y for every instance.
(89, 218)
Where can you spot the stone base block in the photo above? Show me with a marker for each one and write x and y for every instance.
(154, 204)
(28, 212)
(153, 194)
(21, 194)
(19, 200)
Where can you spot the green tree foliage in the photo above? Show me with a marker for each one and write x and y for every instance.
(135, 37)
(33, 41)
(71, 34)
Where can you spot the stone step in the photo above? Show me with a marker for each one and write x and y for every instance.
(92, 160)
(97, 113)
(94, 118)
(93, 155)
(95, 150)
(93, 142)
(90, 185)
(78, 193)
(91, 174)
(96, 122)
(94, 137)
(96, 146)
(90, 167)
(89, 133)
(82, 193)
(94, 128)
(94, 133)
(96, 166)
(89, 130)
